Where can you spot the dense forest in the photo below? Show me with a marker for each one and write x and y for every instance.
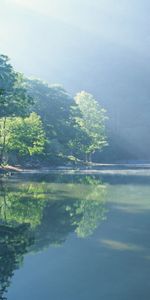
(42, 124)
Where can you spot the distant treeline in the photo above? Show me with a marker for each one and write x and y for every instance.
(41, 123)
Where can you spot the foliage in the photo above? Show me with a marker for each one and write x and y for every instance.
(60, 128)
(14, 100)
(91, 121)
(25, 136)
(53, 104)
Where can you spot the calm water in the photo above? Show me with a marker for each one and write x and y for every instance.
(75, 237)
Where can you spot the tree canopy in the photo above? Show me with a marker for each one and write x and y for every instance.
(14, 100)
(45, 121)
(91, 121)
(25, 136)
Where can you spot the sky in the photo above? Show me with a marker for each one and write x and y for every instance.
(124, 23)
(74, 42)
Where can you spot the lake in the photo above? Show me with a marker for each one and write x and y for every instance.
(75, 235)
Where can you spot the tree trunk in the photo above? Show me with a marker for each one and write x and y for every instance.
(4, 141)
(86, 157)
(90, 157)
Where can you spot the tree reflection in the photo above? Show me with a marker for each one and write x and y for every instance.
(14, 243)
(35, 215)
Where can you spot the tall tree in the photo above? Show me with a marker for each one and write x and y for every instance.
(91, 122)
(14, 100)
(53, 104)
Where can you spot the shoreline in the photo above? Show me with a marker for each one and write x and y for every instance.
(92, 168)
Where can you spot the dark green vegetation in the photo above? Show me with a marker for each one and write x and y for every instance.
(41, 124)
(35, 215)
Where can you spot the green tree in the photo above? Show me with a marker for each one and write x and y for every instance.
(23, 136)
(14, 100)
(79, 140)
(91, 122)
(53, 104)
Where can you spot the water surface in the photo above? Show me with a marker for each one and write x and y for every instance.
(75, 236)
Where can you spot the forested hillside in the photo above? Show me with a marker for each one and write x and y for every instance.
(42, 124)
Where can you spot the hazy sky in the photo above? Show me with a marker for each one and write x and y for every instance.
(107, 17)
(123, 21)
(43, 35)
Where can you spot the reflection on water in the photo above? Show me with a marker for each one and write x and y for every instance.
(55, 244)
(37, 214)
